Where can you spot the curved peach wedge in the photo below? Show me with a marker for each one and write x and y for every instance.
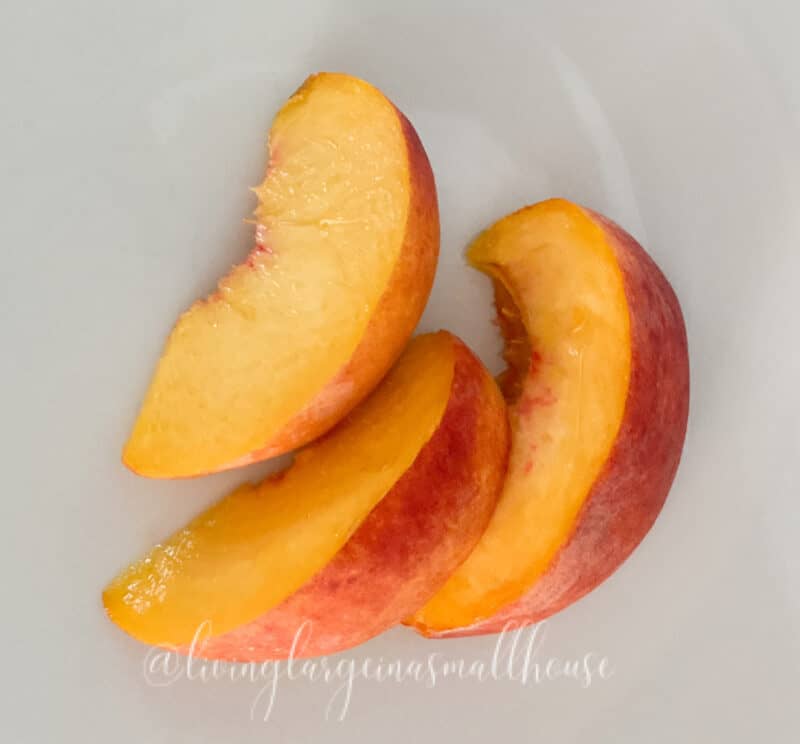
(347, 241)
(598, 389)
(358, 533)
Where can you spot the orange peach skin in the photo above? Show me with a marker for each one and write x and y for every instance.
(395, 317)
(406, 547)
(626, 499)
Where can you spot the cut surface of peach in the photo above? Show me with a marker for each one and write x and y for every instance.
(562, 308)
(260, 367)
(256, 547)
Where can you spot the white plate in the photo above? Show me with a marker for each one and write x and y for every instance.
(130, 133)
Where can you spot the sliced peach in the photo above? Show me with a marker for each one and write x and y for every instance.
(346, 248)
(361, 531)
(598, 387)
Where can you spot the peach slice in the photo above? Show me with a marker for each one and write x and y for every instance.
(347, 240)
(360, 532)
(598, 388)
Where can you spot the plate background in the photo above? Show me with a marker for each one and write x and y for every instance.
(130, 133)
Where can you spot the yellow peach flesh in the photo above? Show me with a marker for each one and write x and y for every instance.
(560, 282)
(332, 215)
(256, 547)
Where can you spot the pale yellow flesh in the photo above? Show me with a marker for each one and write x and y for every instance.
(332, 216)
(256, 547)
(568, 288)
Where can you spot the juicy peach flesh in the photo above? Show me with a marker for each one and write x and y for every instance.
(256, 547)
(332, 215)
(563, 312)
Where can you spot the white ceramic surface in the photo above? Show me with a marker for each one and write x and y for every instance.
(129, 135)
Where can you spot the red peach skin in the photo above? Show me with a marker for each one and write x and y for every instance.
(625, 501)
(407, 546)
